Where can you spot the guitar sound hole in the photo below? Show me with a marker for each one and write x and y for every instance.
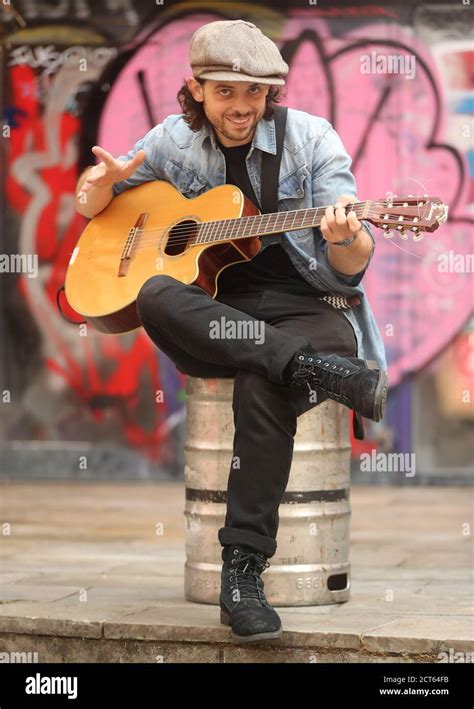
(180, 236)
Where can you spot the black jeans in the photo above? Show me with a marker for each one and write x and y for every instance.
(182, 320)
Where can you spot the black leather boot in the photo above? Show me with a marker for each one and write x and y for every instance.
(357, 383)
(242, 600)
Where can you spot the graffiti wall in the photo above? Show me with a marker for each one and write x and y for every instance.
(396, 81)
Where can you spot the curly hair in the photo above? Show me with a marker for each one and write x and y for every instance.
(193, 110)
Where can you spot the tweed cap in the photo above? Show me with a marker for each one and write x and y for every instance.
(236, 50)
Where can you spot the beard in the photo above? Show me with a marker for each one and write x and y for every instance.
(223, 127)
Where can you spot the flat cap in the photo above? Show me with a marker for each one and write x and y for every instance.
(236, 50)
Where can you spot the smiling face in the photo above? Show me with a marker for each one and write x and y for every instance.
(232, 107)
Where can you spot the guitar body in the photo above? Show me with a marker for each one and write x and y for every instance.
(102, 285)
(152, 230)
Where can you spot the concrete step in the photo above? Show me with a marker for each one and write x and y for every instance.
(85, 578)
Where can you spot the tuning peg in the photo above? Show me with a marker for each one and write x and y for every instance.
(387, 234)
(444, 214)
(417, 235)
(401, 232)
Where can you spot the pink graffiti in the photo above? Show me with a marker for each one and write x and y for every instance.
(392, 126)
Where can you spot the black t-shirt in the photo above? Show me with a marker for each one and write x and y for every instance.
(271, 268)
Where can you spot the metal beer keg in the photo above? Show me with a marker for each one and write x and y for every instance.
(311, 563)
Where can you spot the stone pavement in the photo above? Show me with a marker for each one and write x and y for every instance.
(85, 578)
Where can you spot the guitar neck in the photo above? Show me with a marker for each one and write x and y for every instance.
(272, 223)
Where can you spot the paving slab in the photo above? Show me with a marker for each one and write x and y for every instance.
(86, 578)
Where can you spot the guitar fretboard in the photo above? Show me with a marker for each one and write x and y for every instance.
(272, 223)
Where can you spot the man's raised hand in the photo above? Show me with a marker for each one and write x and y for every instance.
(110, 170)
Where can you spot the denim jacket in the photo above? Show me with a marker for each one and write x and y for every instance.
(314, 171)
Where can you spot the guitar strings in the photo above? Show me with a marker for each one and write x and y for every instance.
(181, 234)
(250, 216)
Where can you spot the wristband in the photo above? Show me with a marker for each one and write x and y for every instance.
(345, 242)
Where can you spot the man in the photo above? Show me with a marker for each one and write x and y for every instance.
(302, 286)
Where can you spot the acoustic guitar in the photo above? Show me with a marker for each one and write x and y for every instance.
(152, 229)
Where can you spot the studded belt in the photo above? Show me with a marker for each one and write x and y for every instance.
(341, 302)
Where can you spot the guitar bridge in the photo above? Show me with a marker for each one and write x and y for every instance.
(134, 232)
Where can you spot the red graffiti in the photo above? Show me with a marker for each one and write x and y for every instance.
(106, 375)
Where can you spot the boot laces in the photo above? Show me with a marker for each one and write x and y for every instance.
(328, 380)
(247, 576)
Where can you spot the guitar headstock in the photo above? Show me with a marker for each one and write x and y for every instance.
(401, 214)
